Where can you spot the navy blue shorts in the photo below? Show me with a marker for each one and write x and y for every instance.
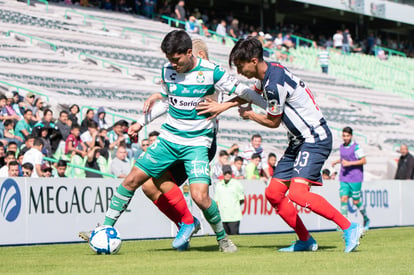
(177, 170)
(304, 160)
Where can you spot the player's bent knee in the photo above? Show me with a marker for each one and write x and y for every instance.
(135, 179)
(150, 190)
(275, 192)
(297, 192)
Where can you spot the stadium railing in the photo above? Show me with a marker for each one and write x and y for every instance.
(339, 133)
(104, 61)
(144, 35)
(33, 38)
(25, 89)
(389, 51)
(86, 16)
(299, 39)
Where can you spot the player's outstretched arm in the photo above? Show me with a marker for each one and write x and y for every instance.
(265, 120)
(214, 108)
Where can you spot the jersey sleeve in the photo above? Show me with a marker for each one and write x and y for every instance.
(359, 153)
(258, 87)
(224, 82)
(276, 98)
(157, 110)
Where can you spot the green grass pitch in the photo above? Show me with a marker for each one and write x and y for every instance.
(382, 251)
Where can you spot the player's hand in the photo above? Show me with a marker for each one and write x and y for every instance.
(134, 129)
(345, 163)
(245, 111)
(150, 102)
(210, 106)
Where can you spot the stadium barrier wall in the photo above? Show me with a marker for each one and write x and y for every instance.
(51, 210)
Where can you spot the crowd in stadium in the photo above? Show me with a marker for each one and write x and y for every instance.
(29, 132)
(270, 35)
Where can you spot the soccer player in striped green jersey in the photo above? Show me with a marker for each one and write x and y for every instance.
(185, 135)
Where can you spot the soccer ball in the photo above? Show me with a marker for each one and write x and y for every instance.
(105, 240)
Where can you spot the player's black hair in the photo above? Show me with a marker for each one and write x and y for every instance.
(154, 134)
(47, 111)
(62, 163)
(10, 153)
(245, 50)
(223, 153)
(177, 41)
(63, 112)
(256, 155)
(28, 165)
(326, 172)
(12, 163)
(256, 136)
(347, 130)
(238, 159)
(38, 141)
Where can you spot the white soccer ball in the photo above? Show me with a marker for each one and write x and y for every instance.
(105, 240)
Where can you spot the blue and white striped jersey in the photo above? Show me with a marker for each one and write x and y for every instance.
(289, 97)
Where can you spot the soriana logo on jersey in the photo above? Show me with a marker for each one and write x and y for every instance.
(184, 103)
(10, 200)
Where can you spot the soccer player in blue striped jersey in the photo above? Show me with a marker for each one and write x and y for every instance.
(291, 103)
(185, 135)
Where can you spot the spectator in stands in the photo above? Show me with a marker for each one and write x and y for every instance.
(24, 127)
(45, 123)
(238, 168)
(62, 125)
(28, 102)
(180, 13)
(99, 118)
(252, 170)
(153, 136)
(13, 169)
(337, 40)
(38, 109)
(28, 144)
(217, 169)
(19, 160)
(12, 146)
(371, 44)
(46, 170)
(74, 144)
(255, 146)
(9, 134)
(191, 25)
(18, 104)
(8, 109)
(104, 142)
(73, 115)
(117, 136)
(88, 118)
(405, 168)
(27, 169)
(234, 30)
(90, 137)
(323, 58)
(61, 168)
(10, 156)
(346, 42)
(120, 165)
(35, 157)
(222, 31)
(2, 154)
(92, 162)
(3, 116)
(326, 174)
(270, 166)
(229, 195)
(233, 152)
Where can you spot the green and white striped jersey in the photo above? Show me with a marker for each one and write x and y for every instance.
(185, 91)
